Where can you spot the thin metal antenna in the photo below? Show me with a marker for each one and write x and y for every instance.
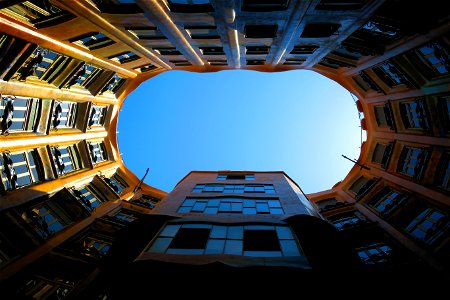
(352, 160)
(138, 186)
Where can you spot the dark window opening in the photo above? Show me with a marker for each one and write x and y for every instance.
(340, 4)
(202, 32)
(190, 6)
(146, 33)
(180, 63)
(381, 154)
(257, 50)
(212, 50)
(294, 61)
(304, 49)
(261, 240)
(190, 238)
(264, 5)
(167, 51)
(442, 178)
(255, 62)
(319, 30)
(261, 31)
(218, 62)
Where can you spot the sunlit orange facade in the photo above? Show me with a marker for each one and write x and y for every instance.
(67, 199)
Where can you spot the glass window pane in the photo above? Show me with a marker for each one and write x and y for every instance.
(218, 232)
(235, 232)
(189, 202)
(249, 211)
(274, 203)
(289, 248)
(211, 210)
(170, 230)
(233, 247)
(160, 245)
(284, 233)
(215, 246)
(184, 210)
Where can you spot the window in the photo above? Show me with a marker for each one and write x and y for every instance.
(48, 287)
(319, 30)
(442, 178)
(19, 114)
(94, 247)
(257, 50)
(429, 225)
(124, 57)
(40, 13)
(202, 32)
(19, 169)
(255, 62)
(246, 240)
(92, 40)
(329, 203)
(218, 62)
(64, 114)
(260, 31)
(80, 76)
(436, 57)
(374, 254)
(66, 159)
(190, 238)
(294, 61)
(387, 201)
(146, 33)
(381, 154)
(146, 201)
(366, 83)
(347, 220)
(190, 6)
(113, 84)
(116, 183)
(264, 5)
(97, 151)
(44, 220)
(340, 5)
(39, 63)
(304, 49)
(377, 28)
(444, 112)
(86, 196)
(212, 50)
(383, 115)
(97, 116)
(391, 75)
(147, 68)
(167, 51)
(361, 186)
(412, 161)
(414, 114)
(235, 177)
(246, 206)
(125, 216)
(180, 63)
(234, 188)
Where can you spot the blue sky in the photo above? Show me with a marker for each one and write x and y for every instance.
(299, 122)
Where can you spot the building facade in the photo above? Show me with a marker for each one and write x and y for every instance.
(66, 67)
